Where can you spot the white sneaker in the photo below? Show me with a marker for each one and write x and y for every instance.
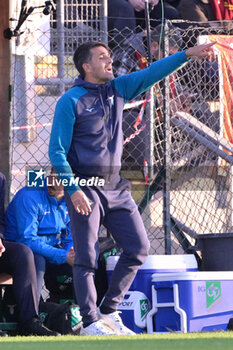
(115, 322)
(97, 328)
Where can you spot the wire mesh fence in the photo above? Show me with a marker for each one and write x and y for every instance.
(177, 136)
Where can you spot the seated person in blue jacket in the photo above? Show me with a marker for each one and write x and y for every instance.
(17, 260)
(39, 218)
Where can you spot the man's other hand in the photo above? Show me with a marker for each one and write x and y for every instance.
(2, 248)
(71, 256)
(81, 202)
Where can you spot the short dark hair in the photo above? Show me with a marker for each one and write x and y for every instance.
(83, 54)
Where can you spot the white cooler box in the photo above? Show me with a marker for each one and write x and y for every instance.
(155, 264)
(191, 301)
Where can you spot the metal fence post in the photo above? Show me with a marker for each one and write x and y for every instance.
(150, 94)
(151, 134)
(61, 45)
(104, 22)
(167, 152)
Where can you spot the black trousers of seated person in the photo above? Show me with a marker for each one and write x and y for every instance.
(18, 260)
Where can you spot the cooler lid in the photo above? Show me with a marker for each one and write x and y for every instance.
(161, 262)
(193, 276)
(170, 262)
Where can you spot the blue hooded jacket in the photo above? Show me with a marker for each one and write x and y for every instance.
(41, 222)
(87, 137)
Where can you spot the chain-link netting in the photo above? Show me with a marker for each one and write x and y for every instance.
(177, 145)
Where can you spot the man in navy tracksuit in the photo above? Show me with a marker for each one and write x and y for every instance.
(86, 142)
(39, 219)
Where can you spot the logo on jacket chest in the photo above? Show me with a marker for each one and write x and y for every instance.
(111, 100)
(97, 104)
(90, 109)
(47, 212)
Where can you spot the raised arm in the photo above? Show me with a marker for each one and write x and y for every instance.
(131, 85)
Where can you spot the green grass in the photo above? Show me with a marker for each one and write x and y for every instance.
(172, 341)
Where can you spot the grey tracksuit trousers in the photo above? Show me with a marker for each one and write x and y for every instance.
(117, 211)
